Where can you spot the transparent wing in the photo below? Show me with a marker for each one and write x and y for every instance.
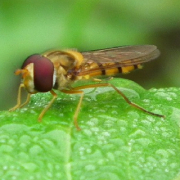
(126, 55)
(117, 57)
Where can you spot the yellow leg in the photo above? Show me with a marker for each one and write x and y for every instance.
(19, 105)
(77, 90)
(48, 106)
(119, 92)
(27, 101)
(78, 106)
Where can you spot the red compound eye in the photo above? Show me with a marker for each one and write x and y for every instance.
(31, 59)
(43, 72)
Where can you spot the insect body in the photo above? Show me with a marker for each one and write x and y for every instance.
(60, 69)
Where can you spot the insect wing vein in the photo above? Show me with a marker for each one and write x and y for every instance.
(117, 57)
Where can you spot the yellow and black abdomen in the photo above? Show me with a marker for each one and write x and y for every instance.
(106, 69)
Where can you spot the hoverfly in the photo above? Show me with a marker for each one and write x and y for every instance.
(59, 69)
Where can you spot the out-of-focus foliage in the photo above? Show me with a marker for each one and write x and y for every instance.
(28, 27)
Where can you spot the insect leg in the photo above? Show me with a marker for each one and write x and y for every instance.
(27, 100)
(133, 104)
(18, 105)
(48, 106)
(78, 106)
(119, 92)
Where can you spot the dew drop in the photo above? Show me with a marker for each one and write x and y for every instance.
(30, 166)
(163, 153)
(90, 167)
(35, 150)
(6, 148)
(111, 156)
(87, 132)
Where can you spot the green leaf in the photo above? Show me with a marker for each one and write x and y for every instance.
(116, 141)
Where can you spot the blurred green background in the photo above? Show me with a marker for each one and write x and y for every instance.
(28, 27)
